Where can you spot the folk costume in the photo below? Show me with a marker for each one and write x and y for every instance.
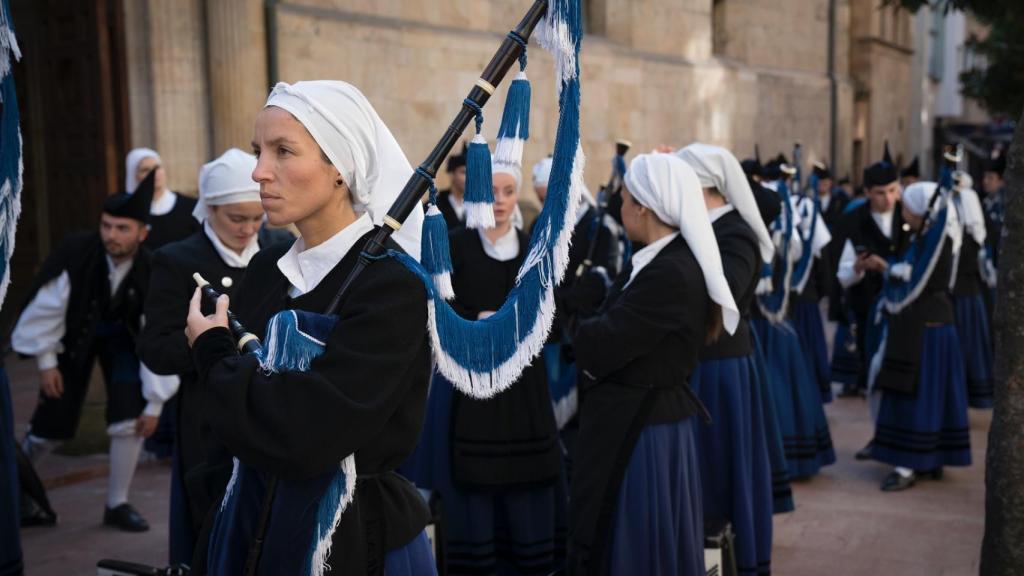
(356, 382)
(171, 217)
(637, 447)
(83, 306)
(736, 474)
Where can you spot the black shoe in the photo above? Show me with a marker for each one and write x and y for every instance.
(125, 518)
(895, 482)
(32, 514)
(864, 453)
(933, 474)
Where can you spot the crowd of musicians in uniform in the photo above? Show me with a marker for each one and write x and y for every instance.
(682, 386)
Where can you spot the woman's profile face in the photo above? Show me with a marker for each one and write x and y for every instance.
(295, 180)
(632, 219)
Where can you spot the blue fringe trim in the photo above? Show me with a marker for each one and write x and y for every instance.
(436, 253)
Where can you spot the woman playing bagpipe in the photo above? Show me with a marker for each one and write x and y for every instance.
(328, 164)
(321, 414)
(635, 498)
(806, 439)
(735, 471)
(232, 216)
(916, 364)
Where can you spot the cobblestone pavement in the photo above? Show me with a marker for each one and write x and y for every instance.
(843, 525)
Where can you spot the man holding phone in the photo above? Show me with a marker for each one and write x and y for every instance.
(876, 233)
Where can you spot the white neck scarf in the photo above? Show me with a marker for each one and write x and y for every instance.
(358, 144)
(229, 256)
(670, 188)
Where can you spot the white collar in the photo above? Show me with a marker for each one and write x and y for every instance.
(116, 272)
(884, 222)
(229, 256)
(305, 269)
(825, 201)
(505, 248)
(164, 205)
(644, 256)
(458, 206)
(716, 213)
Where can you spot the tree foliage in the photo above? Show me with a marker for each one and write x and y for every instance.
(998, 82)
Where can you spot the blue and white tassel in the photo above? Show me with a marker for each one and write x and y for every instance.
(479, 197)
(435, 253)
(482, 358)
(515, 120)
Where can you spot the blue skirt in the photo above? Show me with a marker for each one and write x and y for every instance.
(929, 429)
(810, 329)
(736, 477)
(805, 435)
(511, 531)
(972, 328)
(658, 526)
(10, 519)
(782, 492)
(414, 559)
(846, 360)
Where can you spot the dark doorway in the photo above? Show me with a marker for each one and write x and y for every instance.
(71, 91)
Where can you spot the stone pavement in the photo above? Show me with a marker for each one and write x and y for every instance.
(843, 525)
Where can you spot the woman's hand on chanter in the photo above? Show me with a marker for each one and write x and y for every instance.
(197, 323)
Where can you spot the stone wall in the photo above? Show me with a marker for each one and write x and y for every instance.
(649, 72)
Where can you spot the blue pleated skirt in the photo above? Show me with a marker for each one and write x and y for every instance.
(805, 435)
(782, 491)
(414, 559)
(846, 360)
(732, 452)
(10, 518)
(972, 327)
(929, 429)
(658, 526)
(810, 329)
(511, 531)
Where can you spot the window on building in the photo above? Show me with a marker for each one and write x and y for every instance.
(718, 32)
(595, 17)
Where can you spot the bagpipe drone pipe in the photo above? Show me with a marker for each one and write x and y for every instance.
(481, 358)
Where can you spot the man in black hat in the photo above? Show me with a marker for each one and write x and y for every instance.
(833, 201)
(874, 232)
(450, 201)
(86, 305)
(911, 174)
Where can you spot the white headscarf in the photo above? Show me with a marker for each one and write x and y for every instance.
(670, 188)
(717, 168)
(515, 172)
(358, 143)
(970, 212)
(916, 198)
(542, 172)
(131, 166)
(226, 180)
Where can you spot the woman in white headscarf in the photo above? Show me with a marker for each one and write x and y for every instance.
(974, 270)
(328, 164)
(635, 500)
(230, 210)
(494, 463)
(171, 214)
(921, 424)
(735, 468)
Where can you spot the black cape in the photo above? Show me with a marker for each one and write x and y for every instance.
(366, 394)
(636, 357)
